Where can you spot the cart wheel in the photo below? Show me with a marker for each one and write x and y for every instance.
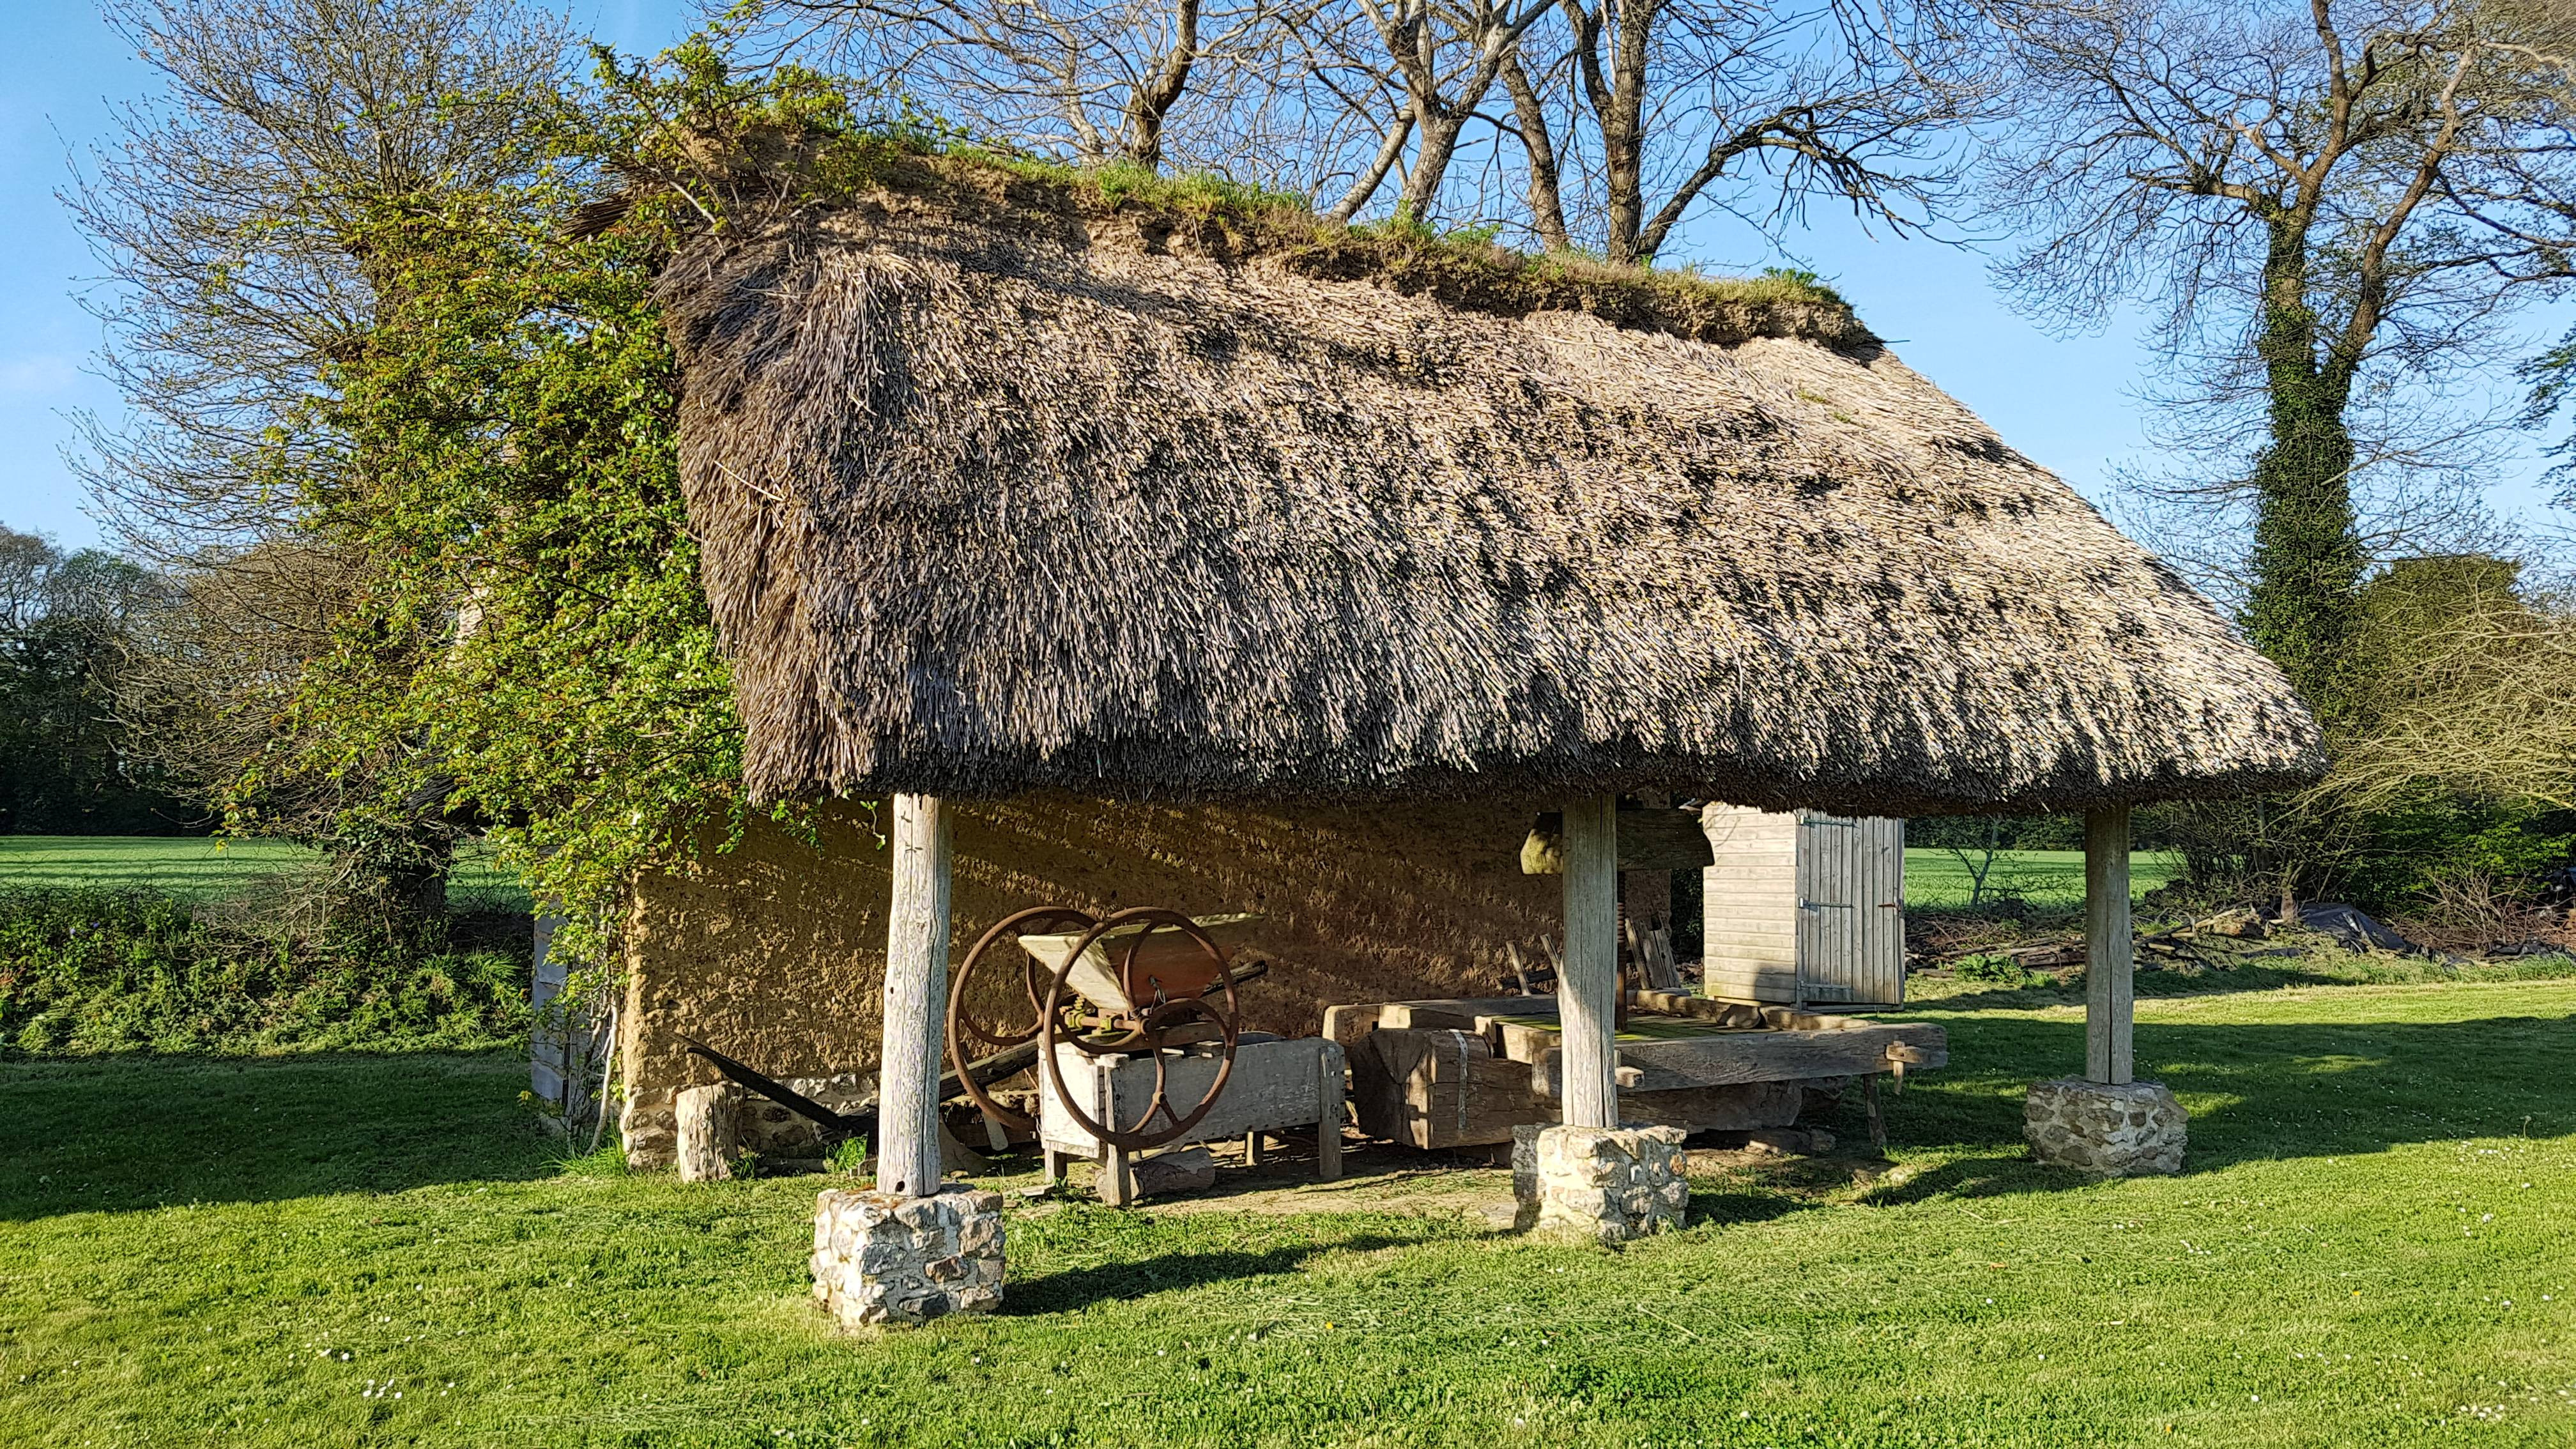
(971, 1037)
(1210, 1020)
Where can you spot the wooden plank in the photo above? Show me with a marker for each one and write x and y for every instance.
(1757, 989)
(2109, 953)
(1728, 942)
(1880, 979)
(1274, 1084)
(1331, 1093)
(916, 994)
(1732, 1058)
(1588, 989)
(1459, 1011)
(1751, 957)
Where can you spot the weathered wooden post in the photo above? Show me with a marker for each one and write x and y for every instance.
(1587, 1175)
(2110, 963)
(2105, 1122)
(910, 1251)
(916, 991)
(1588, 996)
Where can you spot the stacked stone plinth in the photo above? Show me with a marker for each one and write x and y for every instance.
(1609, 1184)
(886, 1258)
(2107, 1130)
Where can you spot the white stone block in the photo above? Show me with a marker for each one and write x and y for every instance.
(2107, 1130)
(1607, 1184)
(896, 1259)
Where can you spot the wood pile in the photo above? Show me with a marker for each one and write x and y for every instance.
(1464, 1072)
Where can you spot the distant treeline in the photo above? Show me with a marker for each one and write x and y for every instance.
(66, 766)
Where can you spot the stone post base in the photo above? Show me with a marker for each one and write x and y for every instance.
(1607, 1184)
(887, 1258)
(2098, 1128)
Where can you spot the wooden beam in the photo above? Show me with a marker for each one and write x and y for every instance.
(1650, 838)
(916, 993)
(2109, 957)
(1588, 991)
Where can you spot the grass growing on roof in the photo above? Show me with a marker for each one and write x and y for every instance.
(2369, 1249)
(1232, 220)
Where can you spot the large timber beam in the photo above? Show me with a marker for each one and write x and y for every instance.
(1588, 993)
(2109, 955)
(916, 993)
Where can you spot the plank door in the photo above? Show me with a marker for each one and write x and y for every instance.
(1851, 916)
(1749, 906)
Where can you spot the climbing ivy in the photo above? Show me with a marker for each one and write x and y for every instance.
(529, 644)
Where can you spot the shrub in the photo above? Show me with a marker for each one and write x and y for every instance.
(1995, 969)
(87, 970)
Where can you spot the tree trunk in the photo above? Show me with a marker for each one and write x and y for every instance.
(1623, 130)
(2303, 609)
(1431, 158)
(1546, 201)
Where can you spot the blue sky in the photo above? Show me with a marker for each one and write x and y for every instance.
(2065, 401)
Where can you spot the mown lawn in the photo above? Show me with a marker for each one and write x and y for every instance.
(2373, 1246)
(2041, 877)
(199, 868)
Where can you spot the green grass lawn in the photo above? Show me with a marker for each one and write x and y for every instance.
(199, 868)
(2371, 1247)
(2042, 877)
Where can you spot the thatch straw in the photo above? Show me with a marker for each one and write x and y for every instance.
(998, 499)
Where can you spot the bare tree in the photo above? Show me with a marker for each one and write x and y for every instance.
(1092, 81)
(231, 219)
(2474, 689)
(1445, 58)
(2327, 198)
(225, 216)
(1661, 106)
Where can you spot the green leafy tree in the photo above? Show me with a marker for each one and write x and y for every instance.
(66, 762)
(2333, 201)
(530, 642)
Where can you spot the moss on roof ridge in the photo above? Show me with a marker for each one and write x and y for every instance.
(1230, 222)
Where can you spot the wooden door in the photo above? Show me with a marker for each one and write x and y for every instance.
(1851, 919)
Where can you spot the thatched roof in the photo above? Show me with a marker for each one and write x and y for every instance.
(1002, 492)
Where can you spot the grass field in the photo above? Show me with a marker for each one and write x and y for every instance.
(200, 868)
(2041, 877)
(2371, 1247)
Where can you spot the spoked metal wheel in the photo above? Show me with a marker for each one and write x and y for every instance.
(1180, 997)
(998, 1000)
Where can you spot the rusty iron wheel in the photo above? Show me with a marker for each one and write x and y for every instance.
(968, 1034)
(1148, 1030)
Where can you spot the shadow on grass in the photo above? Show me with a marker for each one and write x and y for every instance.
(1075, 1289)
(2256, 975)
(2256, 1091)
(116, 1134)
(124, 1133)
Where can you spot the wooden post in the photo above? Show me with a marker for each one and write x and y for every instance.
(2109, 986)
(1588, 987)
(1117, 1181)
(1334, 1109)
(916, 994)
